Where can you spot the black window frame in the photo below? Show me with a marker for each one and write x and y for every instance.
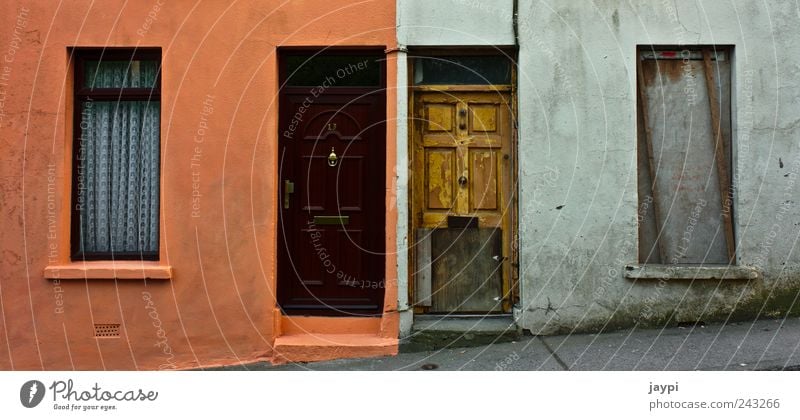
(317, 52)
(417, 60)
(81, 94)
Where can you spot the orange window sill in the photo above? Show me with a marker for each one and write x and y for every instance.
(112, 270)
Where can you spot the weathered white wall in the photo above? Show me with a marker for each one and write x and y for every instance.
(401, 194)
(454, 22)
(577, 145)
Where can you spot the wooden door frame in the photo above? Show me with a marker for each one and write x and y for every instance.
(511, 280)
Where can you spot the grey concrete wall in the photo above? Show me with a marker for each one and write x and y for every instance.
(577, 150)
(577, 145)
(454, 22)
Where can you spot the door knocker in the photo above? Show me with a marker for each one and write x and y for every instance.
(332, 158)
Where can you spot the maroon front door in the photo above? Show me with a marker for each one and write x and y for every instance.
(332, 139)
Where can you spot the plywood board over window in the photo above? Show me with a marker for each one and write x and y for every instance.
(684, 156)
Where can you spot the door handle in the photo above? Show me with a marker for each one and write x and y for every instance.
(288, 189)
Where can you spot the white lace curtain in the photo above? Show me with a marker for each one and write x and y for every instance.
(120, 74)
(120, 194)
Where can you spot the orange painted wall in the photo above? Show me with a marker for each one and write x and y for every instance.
(219, 305)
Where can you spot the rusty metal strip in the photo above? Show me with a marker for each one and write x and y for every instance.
(648, 137)
(722, 167)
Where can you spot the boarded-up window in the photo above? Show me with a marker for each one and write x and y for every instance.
(684, 156)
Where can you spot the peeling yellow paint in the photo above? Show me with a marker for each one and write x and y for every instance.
(440, 192)
(440, 118)
(484, 118)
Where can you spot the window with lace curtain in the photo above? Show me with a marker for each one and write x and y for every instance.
(115, 194)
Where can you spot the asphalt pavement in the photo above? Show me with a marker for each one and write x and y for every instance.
(758, 345)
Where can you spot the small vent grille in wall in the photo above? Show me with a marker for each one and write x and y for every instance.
(106, 330)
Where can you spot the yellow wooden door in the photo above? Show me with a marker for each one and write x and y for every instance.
(462, 181)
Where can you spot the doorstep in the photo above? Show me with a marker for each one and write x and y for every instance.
(315, 347)
(318, 338)
(464, 323)
(435, 332)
